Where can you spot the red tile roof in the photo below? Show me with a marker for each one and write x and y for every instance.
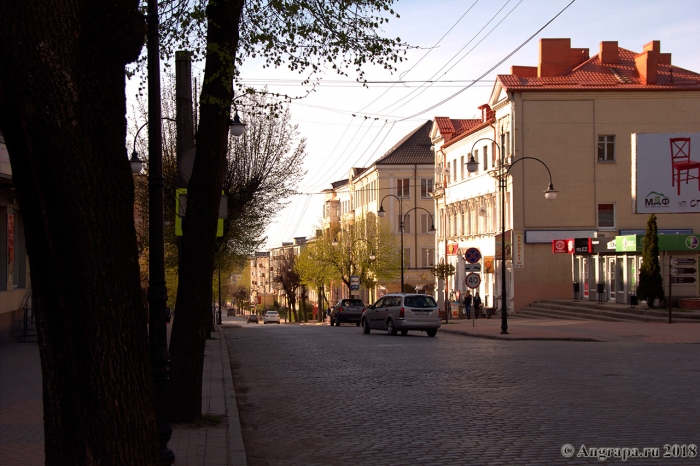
(449, 128)
(594, 75)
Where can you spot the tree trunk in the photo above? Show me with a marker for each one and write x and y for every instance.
(199, 227)
(62, 113)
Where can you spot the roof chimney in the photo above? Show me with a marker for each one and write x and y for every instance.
(578, 56)
(609, 52)
(524, 71)
(647, 62)
(555, 57)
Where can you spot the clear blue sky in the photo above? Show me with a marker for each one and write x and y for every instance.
(336, 141)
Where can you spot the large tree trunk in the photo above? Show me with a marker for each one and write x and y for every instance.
(62, 113)
(203, 194)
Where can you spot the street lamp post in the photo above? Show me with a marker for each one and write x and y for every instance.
(157, 291)
(550, 194)
(402, 216)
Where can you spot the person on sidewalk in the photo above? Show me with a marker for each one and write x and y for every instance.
(477, 305)
(468, 304)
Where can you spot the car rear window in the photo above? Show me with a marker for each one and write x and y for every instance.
(420, 301)
(272, 313)
(352, 302)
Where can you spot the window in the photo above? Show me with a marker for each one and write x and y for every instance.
(606, 215)
(425, 223)
(461, 166)
(454, 170)
(402, 188)
(476, 157)
(406, 258)
(427, 257)
(448, 172)
(606, 148)
(406, 225)
(426, 187)
(486, 157)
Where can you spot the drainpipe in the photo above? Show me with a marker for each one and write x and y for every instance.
(415, 205)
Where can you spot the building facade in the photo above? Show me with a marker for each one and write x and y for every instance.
(578, 115)
(399, 184)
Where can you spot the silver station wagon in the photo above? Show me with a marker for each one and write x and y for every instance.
(401, 312)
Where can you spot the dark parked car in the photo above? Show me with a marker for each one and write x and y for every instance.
(252, 318)
(347, 310)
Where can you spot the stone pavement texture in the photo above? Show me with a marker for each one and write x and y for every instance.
(21, 411)
(520, 328)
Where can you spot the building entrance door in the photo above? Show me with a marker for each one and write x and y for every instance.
(612, 275)
(586, 278)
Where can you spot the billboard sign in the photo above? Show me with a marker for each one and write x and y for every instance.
(665, 173)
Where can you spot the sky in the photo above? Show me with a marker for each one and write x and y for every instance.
(457, 43)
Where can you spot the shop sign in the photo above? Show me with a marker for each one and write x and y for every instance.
(679, 242)
(488, 264)
(508, 243)
(629, 243)
(452, 249)
(518, 250)
(583, 246)
(561, 246)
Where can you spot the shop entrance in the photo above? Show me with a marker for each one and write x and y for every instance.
(611, 280)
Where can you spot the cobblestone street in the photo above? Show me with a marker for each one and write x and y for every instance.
(319, 395)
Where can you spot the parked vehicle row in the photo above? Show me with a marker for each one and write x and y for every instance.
(393, 313)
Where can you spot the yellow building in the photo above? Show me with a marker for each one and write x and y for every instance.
(578, 114)
(400, 183)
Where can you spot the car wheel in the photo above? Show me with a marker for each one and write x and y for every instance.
(365, 327)
(431, 332)
(404, 333)
(390, 329)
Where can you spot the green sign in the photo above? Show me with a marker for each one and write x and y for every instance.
(628, 243)
(635, 243)
(679, 243)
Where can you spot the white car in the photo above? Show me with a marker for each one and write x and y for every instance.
(271, 317)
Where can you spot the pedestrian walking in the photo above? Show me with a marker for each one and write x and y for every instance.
(468, 298)
(477, 304)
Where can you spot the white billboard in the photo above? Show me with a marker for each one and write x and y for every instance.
(665, 173)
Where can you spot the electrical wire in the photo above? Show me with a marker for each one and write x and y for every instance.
(493, 67)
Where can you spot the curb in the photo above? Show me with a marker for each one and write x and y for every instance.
(235, 448)
(497, 337)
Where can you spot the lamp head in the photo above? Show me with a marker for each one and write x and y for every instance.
(432, 227)
(236, 126)
(372, 257)
(550, 194)
(381, 211)
(472, 165)
(136, 163)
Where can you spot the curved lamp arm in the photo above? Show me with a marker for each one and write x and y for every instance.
(381, 210)
(432, 222)
(550, 193)
(472, 165)
(135, 161)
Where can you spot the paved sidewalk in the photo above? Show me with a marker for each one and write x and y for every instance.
(521, 328)
(21, 411)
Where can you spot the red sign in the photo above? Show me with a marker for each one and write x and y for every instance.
(452, 249)
(563, 246)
